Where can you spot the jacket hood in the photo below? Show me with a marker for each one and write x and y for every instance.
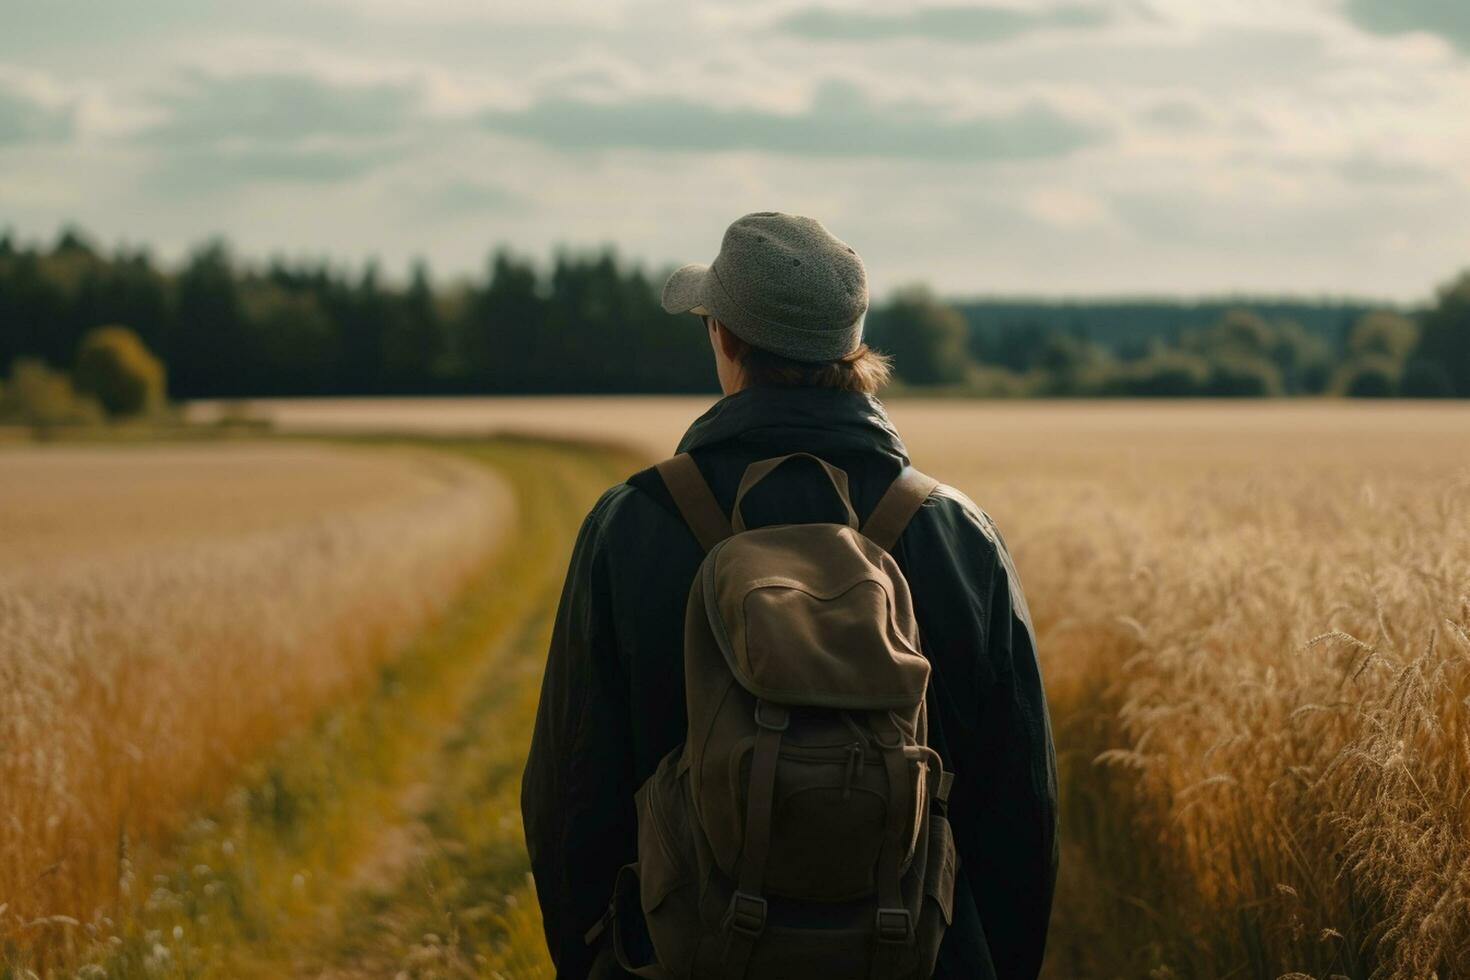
(806, 419)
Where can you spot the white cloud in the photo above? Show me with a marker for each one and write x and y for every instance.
(1107, 146)
(841, 122)
(1448, 20)
(32, 110)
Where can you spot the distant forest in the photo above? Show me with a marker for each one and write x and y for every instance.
(590, 322)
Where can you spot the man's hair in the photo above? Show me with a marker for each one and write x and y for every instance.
(864, 370)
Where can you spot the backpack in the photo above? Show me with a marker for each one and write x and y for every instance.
(799, 833)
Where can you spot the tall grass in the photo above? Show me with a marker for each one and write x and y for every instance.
(133, 690)
(1256, 642)
(466, 906)
(1255, 631)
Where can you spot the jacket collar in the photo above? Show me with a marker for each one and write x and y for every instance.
(798, 420)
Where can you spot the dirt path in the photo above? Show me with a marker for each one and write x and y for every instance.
(441, 889)
(384, 839)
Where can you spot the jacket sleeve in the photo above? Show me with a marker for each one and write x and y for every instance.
(1004, 802)
(1014, 869)
(576, 794)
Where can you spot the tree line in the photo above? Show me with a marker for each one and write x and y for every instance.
(1239, 353)
(227, 329)
(589, 322)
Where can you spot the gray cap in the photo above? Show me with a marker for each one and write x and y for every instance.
(781, 282)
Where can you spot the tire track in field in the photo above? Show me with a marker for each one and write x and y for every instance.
(444, 891)
(384, 838)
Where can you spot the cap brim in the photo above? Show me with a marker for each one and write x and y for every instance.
(684, 292)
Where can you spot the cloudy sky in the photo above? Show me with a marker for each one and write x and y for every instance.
(1082, 147)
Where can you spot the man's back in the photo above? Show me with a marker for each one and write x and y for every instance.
(613, 699)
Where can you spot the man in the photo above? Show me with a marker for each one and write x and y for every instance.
(783, 304)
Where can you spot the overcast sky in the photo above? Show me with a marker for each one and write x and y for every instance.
(1122, 146)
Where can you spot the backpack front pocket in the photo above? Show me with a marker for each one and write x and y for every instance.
(667, 869)
(936, 910)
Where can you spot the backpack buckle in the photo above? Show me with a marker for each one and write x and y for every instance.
(894, 925)
(782, 720)
(747, 914)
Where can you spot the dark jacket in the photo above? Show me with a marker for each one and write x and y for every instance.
(612, 702)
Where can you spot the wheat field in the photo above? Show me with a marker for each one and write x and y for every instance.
(72, 504)
(168, 613)
(1254, 625)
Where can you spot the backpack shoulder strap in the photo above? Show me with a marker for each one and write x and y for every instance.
(899, 503)
(695, 500)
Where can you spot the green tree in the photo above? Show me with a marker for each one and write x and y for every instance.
(1164, 373)
(204, 357)
(1069, 365)
(1242, 334)
(502, 323)
(1384, 334)
(1377, 348)
(42, 398)
(292, 346)
(1370, 376)
(1445, 338)
(1233, 376)
(926, 337)
(1305, 358)
(1425, 379)
(114, 367)
(1242, 350)
(413, 338)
